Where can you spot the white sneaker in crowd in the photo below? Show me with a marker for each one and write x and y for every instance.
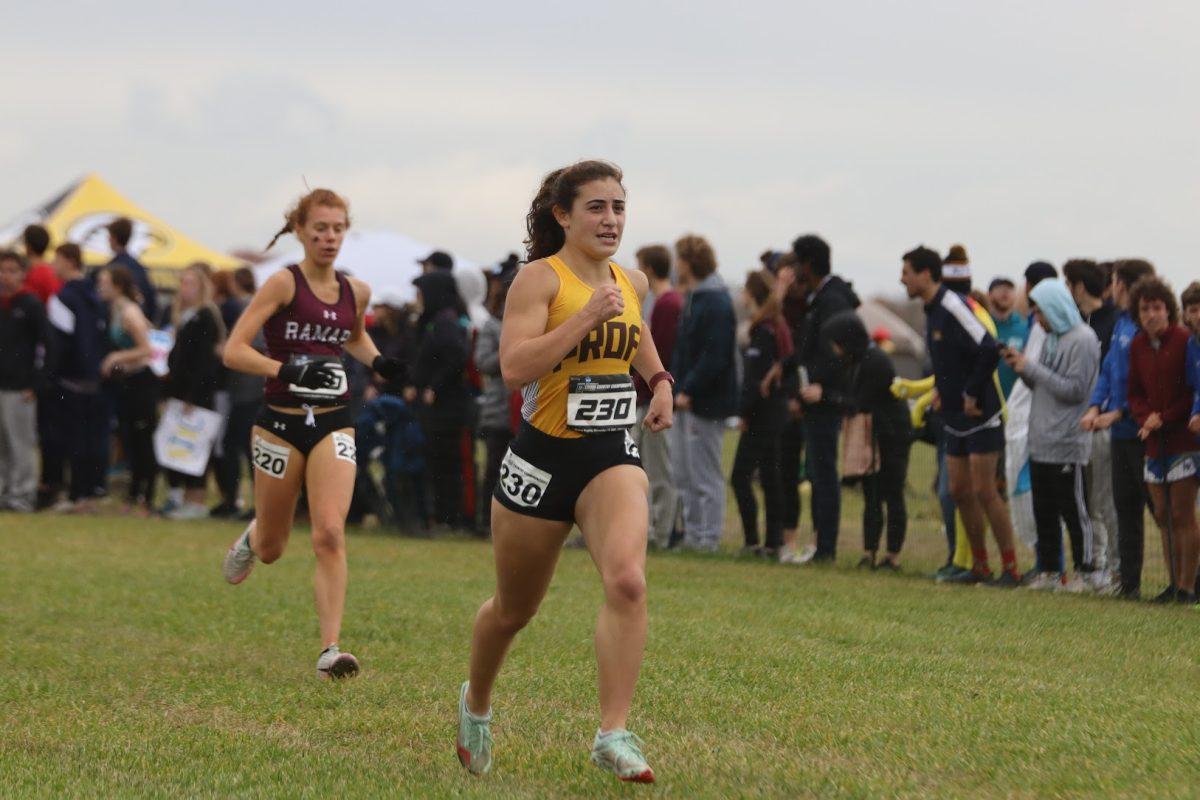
(1046, 581)
(1078, 584)
(189, 511)
(1103, 583)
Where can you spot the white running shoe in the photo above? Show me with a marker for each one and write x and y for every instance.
(806, 553)
(335, 664)
(620, 752)
(240, 558)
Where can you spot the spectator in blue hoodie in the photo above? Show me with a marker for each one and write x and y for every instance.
(120, 232)
(1109, 409)
(80, 321)
(705, 392)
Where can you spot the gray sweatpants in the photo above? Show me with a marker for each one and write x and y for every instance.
(18, 450)
(655, 449)
(696, 451)
(1100, 503)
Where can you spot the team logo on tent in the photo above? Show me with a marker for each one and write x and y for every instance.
(89, 232)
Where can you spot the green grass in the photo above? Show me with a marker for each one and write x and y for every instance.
(131, 669)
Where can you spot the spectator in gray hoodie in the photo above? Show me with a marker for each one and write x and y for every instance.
(1061, 380)
(495, 425)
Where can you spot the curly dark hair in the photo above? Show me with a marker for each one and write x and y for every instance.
(1149, 289)
(559, 189)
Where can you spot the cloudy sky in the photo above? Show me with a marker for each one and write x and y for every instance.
(1024, 129)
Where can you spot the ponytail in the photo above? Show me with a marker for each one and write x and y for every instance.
(298, 215)
(559, 190)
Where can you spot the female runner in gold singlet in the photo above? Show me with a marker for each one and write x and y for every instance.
(572, 330)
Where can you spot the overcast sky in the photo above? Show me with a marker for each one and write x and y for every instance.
(1025, 130)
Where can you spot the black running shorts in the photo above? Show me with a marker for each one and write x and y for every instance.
(542, 476)
(295, 430)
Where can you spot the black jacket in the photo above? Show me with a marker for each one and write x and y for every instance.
(443, 350)
(1102, 321)
(195, 369)
(868, 374)
(833, 297)
(703, 362)
(757, 359)
(23, 329)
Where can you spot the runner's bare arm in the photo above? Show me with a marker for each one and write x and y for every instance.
(360, 345)
(527, 349)
(239, 354)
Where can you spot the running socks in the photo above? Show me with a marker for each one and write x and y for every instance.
(1010, 562)
(980, 556)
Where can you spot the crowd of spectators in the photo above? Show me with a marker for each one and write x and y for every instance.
(1068, 404)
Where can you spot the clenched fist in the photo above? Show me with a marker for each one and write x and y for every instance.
(606, 302)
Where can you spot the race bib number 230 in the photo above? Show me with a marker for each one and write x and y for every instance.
(601, 403)
(522, 482)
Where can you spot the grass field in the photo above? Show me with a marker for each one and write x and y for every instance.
(132, 670)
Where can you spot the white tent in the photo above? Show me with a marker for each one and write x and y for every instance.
(386, 260)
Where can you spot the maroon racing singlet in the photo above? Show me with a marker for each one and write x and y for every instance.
(309, 329)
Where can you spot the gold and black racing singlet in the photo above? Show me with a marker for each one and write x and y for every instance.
(590, 390)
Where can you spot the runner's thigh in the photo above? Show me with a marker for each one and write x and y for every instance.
(332, 467)
(526, 552)
(613, 514)
(278, 473)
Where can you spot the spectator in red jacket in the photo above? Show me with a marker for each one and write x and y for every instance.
(40, 280)
(661, 310)
(1161, 402)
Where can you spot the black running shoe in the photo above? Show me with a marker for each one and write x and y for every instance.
(1007, 580)
(1168, 595)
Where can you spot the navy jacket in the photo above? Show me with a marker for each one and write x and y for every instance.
(703, 363)
(81, 351)
(964, 356)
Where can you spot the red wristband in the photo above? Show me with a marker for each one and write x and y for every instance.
(659, 378)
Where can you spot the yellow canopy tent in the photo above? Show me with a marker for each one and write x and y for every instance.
(80, 213)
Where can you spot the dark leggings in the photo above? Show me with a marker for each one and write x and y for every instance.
(137, 416)
(886, 487)
(85, 418)
(497, 441)
(1129, 496)
(791, 470)
(758, 451)
(1059, 494)
(235, 450)
(443, 455)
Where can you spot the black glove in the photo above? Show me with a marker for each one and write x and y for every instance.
(388, 368)
(309, 376)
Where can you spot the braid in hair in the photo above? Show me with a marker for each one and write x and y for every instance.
(298, 215)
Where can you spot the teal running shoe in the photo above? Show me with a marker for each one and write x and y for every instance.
(620, 753)
(474, 737)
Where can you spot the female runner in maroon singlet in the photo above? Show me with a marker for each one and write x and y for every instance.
(309, 314)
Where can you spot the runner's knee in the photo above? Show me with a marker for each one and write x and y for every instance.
(626, 585)
(328, 536)
(511, 619)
